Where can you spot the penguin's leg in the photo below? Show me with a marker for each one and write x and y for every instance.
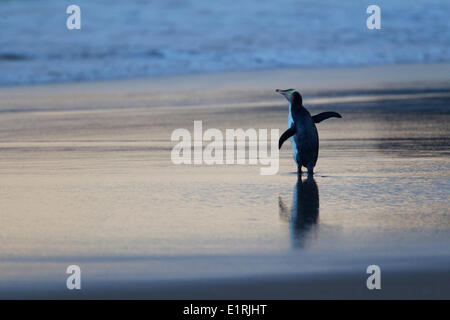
(299, 162)
(310, 169)
(299, 171)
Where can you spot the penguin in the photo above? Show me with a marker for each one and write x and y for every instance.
(302, 131)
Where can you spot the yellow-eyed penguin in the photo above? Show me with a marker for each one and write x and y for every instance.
(302, 131)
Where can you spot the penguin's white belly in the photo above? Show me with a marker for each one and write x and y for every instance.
(293, 144)
(294, 149)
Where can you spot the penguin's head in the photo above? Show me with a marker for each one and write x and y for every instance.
(292, 95)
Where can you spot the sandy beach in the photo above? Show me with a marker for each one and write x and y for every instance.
(87, 179)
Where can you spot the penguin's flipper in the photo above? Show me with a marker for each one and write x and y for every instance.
(325, 115)
(286, 135)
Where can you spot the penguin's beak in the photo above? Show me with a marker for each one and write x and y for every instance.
(284, 93)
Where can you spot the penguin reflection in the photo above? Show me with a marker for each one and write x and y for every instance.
(304, 214)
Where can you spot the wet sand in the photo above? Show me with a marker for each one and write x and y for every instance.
(86, 178)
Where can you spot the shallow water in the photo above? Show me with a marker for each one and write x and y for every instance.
(97, 185)
(106, 185)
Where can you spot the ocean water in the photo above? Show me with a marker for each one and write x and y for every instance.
(137, 38)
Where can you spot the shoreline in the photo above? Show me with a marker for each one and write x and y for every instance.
(361, 77)
(229, 89)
